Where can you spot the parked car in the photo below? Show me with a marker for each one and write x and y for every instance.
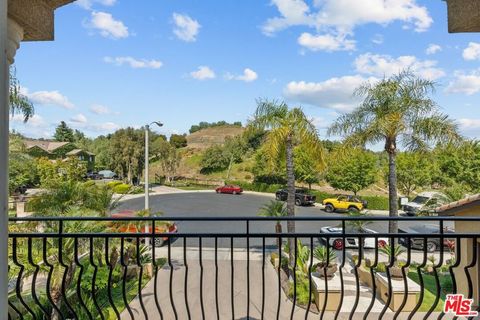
(424, 201)
(338, 244)
(161, 227)
(108, 174)
(302, 197)
(433, 244)
(94, 176)
(229, 188)
(344, 203)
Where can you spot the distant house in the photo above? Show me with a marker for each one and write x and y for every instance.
(59, 150)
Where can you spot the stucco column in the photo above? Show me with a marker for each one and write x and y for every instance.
(10, 36)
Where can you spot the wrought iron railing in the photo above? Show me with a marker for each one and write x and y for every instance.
(222, 268)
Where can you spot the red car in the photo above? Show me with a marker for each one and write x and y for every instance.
(161, 227)
(229, 189)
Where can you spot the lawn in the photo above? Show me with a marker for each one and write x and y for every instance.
(430, 290)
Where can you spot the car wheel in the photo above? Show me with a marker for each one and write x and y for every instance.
(217, 191)
(298, 202)
(234, 192)
(353, 209)
(329, 208)
(278, 197)
(159, 242)
(431, 246)
(337, 244)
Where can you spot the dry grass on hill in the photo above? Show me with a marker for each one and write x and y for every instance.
(212, 136)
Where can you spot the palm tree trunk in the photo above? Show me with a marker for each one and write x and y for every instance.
(278, 229)
(290, 197)
(392, 191)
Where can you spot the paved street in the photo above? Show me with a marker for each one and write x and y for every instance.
(210, 204)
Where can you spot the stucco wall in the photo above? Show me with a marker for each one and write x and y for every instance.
(467, 253)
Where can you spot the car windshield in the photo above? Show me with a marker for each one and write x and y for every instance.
(420, 199)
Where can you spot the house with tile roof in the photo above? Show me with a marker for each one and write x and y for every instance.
(59, 151)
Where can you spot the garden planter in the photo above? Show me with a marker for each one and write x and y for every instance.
(365, 276)
(396, 272)
(148, 269)
(330, 270)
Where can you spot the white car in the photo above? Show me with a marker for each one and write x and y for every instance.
(425, 200)
(351, 242)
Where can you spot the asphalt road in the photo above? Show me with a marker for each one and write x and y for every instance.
(206, 204)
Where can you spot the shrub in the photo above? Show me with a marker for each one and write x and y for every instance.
(122, 188)
(89, 183)
(376, 202)
(113, 184)
(303, 291)
(258, 187)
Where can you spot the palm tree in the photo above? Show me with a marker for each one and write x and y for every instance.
(19, 102)
(396, 110)
(287, 129)
(274, 209)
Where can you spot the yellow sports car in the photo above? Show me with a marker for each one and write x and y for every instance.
(344, 203)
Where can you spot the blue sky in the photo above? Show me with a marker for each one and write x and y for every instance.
(118, 63)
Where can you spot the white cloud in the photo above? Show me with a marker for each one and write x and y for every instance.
(248, 76)
(203, 73)
(186, 28)
(36, 120)
(99, 109)
(104, 127)
(326, 42)
(377, 39)
(433, 48)
(472, 52)
(465, 83)
(385, 65)
(134, 63)
(87, 4)
(339, 18)
(107, 25)
(334, 93)
(79, 118)
(320, 122)
(53, 98)
(469, 124)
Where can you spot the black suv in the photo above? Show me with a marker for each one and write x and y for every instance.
(302, 198)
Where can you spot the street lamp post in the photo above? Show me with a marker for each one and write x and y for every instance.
(147, 195)
(147, 131)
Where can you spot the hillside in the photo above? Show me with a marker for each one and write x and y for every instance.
(212, 136)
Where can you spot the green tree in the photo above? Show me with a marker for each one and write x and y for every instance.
(352, 170)
(127, 151)
(413, 171)
(22, 171)
(51, 173)
(63, 133)
(168, 156)
(214, 159)
(396, 110)
(19, 102)
(458, 164)
(306, 169)
(178, 140)
(287, 129)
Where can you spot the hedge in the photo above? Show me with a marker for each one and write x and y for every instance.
(113, 184)
(122, 188)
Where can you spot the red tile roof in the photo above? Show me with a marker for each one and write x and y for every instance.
(448, 208)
